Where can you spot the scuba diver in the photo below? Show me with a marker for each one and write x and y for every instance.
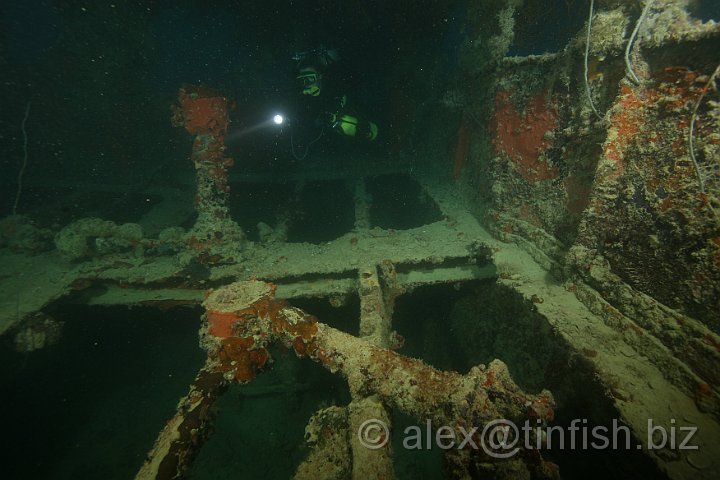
(324, 102)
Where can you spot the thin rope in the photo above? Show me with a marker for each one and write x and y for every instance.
(693, 119)
(25, 158)
(587, 54)
(307, 149)
(631, 42)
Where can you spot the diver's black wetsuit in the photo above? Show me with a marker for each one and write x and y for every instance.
(322, 113)
(316, 110)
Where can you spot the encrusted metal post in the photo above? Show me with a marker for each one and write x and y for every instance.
(184, 434)
(203, 112)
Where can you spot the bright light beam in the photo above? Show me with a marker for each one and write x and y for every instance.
(276, 120)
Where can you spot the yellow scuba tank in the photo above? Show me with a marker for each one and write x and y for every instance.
(351, 126)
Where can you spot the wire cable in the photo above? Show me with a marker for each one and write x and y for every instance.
(307, 149)
(587, 54)
(25, 159)
(631, 42)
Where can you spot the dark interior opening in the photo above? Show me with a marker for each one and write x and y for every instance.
(252, 203)
(545, 27)
(324, 212)
(416, 464)
(399, 202)
(345, 317)
(92, 405)
(705, 10)
(54, 207)
(458, 327)
(260, 426)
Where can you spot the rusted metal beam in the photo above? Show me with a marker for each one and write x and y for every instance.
(183, 435)
(244, 318)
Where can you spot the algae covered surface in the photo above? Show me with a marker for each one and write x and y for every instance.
(466, 213)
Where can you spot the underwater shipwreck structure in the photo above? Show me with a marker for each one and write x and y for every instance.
(584, 184)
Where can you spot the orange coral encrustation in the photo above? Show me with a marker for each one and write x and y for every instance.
(522, 136)
(220, 323)
(625, 122)
(203, 111)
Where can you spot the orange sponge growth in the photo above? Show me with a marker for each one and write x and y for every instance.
(242, 357)
(202, 111)
(625, 123)
(220, 323)
(522, 136)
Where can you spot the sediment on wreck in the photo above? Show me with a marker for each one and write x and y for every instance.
(582, 158)
(244, 318)
(591, 173)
